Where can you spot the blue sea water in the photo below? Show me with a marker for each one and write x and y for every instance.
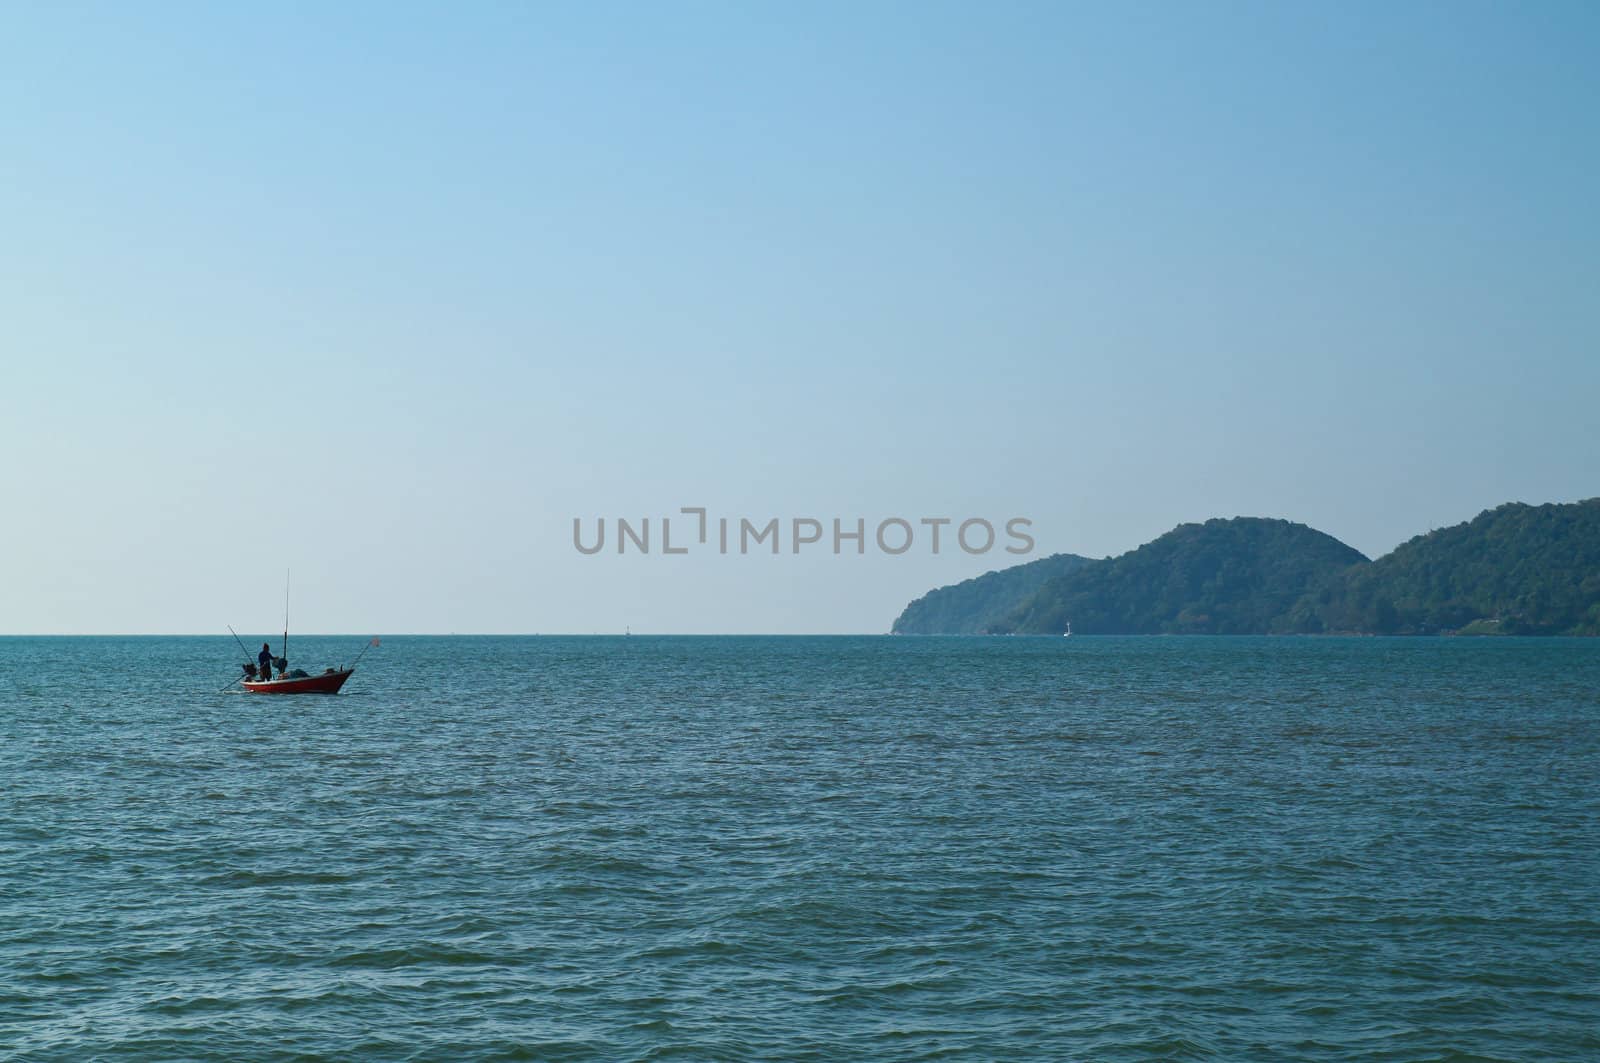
(804, 849)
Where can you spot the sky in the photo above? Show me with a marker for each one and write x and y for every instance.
(385, 296)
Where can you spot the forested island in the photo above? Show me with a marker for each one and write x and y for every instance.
(1513, 570)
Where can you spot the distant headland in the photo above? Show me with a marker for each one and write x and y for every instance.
(1513, 570)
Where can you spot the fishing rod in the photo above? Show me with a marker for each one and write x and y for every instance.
(240, 641)
(363, 652)
(285, 653)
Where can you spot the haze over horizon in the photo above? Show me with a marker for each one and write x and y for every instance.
(388, 297)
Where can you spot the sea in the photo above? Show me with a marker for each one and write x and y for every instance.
(795, 848)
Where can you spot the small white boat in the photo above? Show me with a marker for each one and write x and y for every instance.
(1067, 634)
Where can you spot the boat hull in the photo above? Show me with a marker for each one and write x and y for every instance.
(326, 683)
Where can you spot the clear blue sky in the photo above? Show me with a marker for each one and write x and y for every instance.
(388, 294)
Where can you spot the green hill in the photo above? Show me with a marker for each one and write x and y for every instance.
(971, 607)
(1223, 577)
(1514, 570)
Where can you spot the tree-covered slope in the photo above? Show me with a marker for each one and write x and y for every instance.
(1223, 577)
(1513, 570)
(971, 607)
(1516, 569)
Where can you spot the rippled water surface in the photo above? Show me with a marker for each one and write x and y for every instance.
(804, 849)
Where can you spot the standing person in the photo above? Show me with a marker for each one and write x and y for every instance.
(264, 659)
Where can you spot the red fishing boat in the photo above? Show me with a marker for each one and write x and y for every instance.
(292, 681)
(328, 682)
